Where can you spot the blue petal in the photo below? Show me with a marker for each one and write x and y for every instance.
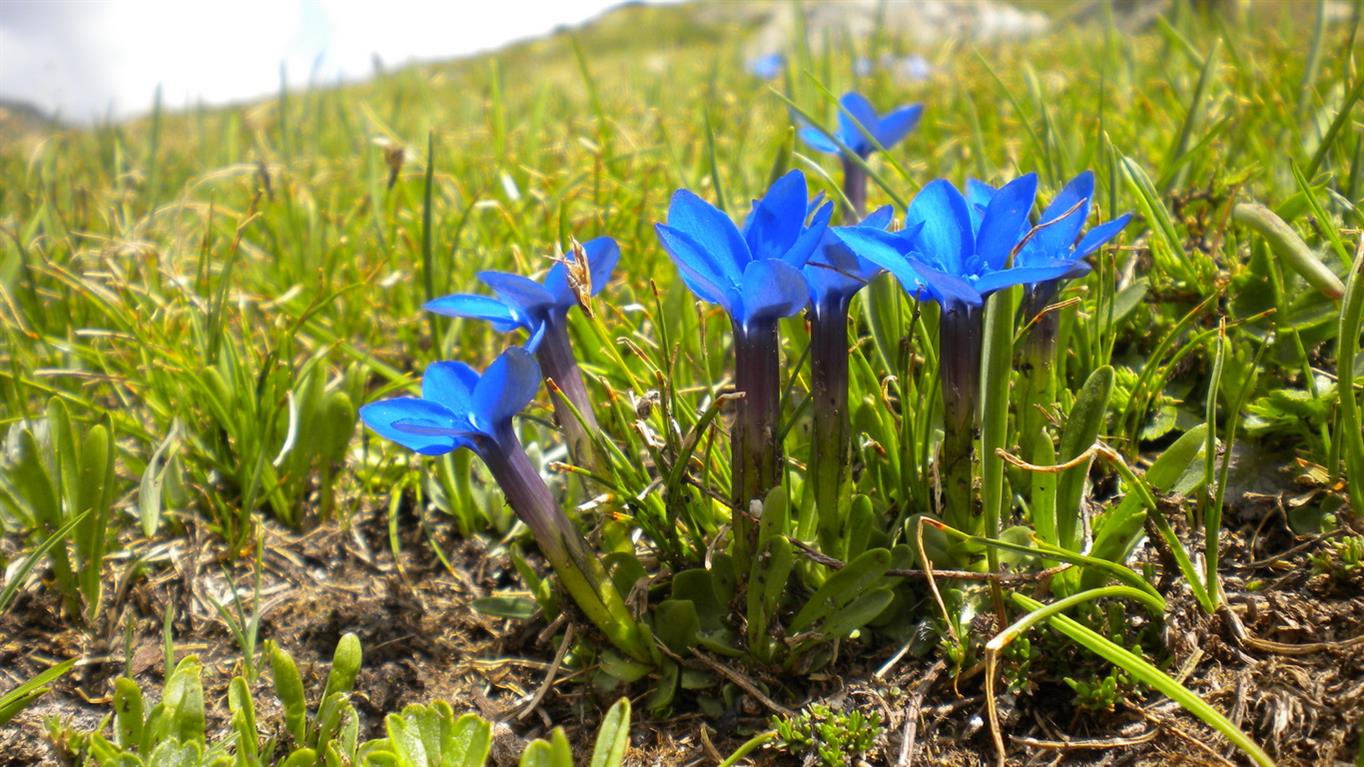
(949, 290)
(880, 218)
(885, 249)
(694, 263)
(978, 196)
(1058, 238)
(889, 250)
(1101, 234)
(502, 316)
(522, 292)
(602, 256)
(810, 237)
(856, 110)
(416, 424)
(834, 271)
(1029, 275)
(897, 125)
(817, 141)
(772, 289)
(1003, 224)
(776, 220)
(505, 388)
(450, 385)
(947, 238)
(556, 284)
(710, 228)
(537, 334)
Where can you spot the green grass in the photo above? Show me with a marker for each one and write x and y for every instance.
(221, 288)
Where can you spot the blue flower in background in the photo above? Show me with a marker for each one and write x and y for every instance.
(754, 274)
(459, 407)
(529, 305)
(768, 66)
(913, 68)
(888, 130)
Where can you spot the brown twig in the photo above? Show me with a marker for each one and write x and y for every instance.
(916, 701)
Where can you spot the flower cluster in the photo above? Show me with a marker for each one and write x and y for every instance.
(954, 249)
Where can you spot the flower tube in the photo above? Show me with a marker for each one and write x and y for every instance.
(835, 274)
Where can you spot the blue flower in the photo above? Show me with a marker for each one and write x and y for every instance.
(1054, 243)
(754, 274)
(856, 119)
(955, 252)
(768, 66)
(834, 273)
(459, 407)
(526, 304)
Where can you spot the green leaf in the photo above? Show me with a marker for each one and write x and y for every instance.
(614, 736)
(842, 588)
(345, 665)
(183, 701)
(128, 713)
(154, 481)
(17, 699)
(861, 611)
(243, 710)
(289, 688)
(677, 624)
(554, 752)
(1082, 428)
(514, 608)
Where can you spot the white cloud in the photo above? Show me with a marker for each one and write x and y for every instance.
(83, 59)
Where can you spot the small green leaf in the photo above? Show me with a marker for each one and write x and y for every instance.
(514, 608)
(1082, 427)
(676, 623)
(345, 666)
(842, 588)
(614, 736)
(289, 688)
(128, 713)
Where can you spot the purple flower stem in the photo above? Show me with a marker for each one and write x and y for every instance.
(580, 571)
(959, 335)
(756, 453)
(830, 450)
(558, 363)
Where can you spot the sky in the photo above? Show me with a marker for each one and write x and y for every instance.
(87, 59)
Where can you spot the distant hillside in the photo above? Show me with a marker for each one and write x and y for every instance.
(20, 118)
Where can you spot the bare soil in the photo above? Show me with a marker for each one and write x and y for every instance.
(1282, 663)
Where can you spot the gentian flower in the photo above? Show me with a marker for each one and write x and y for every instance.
(861, 131)
(768, 66)
(967, 248)
(755, 276)
(955, 258)
(459, 408)
(541, 309)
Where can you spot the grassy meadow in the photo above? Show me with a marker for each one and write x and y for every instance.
(194, 305)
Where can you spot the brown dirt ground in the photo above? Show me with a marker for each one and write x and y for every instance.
(422, 641)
